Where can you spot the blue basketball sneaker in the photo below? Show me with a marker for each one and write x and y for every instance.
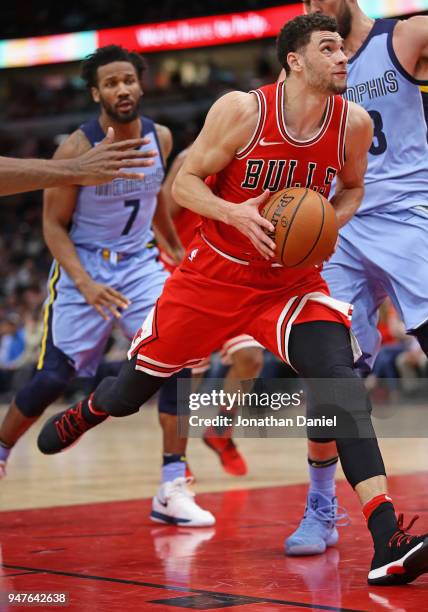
(317, 529)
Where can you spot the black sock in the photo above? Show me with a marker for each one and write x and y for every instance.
(94, 415)
(323, 463)
(382, 524)
(172, 458)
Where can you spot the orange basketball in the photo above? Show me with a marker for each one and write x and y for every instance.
(305, 226)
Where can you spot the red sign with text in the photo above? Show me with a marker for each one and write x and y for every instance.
(201, 31)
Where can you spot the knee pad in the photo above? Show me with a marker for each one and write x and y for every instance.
(171, 401)
(108, 397)
(46, 386)
(124, 395)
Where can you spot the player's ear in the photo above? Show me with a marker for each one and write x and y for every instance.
(95, 94)
(294, 61)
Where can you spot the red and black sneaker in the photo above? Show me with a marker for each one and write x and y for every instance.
(65, 428)
(231, 459)
(404, 559)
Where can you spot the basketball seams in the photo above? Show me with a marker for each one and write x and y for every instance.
(266, 214)
(319, 233)
(291, 223)
(302, 238)
(266, 211)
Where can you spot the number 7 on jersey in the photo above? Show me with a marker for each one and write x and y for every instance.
(135, 207)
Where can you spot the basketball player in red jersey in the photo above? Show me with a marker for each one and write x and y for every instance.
(281, 135)
(242, 353)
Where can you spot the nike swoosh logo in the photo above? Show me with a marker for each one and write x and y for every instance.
(162, 503)
(267, 143)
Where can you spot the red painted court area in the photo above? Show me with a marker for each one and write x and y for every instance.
(109, 556)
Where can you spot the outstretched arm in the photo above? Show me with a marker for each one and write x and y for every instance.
(100, 164)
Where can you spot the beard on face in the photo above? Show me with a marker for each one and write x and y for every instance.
(344, 20)
(322, 83)
(116, 115)
(337, 89)
(329, 87)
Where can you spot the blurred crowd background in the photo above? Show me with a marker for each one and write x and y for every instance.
(39, 105)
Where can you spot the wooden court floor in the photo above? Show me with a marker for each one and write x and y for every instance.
(78, 523)
(121, 460)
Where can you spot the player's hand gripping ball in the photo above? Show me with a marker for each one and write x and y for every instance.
(305, 227)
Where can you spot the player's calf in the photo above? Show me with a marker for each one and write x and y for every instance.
(31, 401)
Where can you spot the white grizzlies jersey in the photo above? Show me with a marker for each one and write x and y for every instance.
(397, 173)
(118, 215)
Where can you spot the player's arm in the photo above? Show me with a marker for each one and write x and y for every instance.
(163, 225)
(350, 181)
(99, 165)
(173, 206)
(58, 208)
(410, 42)
(229, 125)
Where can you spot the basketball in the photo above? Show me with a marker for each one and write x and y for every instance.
(305, 226)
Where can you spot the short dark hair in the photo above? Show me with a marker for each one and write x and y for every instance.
(107, 55)
(297, 34)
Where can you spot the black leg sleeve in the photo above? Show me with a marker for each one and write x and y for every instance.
(321, 352)
(123, 395)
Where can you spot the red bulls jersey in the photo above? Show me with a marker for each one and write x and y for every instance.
(274, 160)
(186, 223)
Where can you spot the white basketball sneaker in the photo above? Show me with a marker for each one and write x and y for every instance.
(175, 504)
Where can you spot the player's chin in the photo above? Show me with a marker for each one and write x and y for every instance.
(338, 88)
(127, 116)
(339, 83)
